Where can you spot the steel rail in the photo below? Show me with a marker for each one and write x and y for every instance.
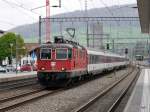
(17, 84)
(15, 102)
(121, 96)
(19, 95)
(84, 107)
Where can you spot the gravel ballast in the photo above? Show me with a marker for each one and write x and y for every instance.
(71, 98)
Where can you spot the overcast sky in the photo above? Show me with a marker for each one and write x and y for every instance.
(18, 12)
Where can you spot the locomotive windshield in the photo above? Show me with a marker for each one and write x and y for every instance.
(45, 53)
(61, 53)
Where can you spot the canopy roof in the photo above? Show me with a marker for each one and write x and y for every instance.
(144, 14)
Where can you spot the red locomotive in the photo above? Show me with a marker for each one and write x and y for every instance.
(63, 61)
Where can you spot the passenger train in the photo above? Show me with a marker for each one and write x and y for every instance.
(63, 61)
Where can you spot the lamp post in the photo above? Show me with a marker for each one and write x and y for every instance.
(11, 45)
(17, 54)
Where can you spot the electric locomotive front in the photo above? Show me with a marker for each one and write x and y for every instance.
(54, 63)
(58, 63)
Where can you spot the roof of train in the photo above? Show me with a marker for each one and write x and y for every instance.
(62, 45)
(105, 53)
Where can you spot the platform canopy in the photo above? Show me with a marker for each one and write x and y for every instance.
(144, 14)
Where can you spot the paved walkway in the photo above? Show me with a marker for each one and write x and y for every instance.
(140, 98)
(7, 75)
(4, 77)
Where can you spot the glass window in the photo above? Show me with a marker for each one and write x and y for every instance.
(69, 53)
(61, 53)
(45, 53)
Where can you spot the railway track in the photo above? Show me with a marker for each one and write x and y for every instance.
(9, 103)
(17, 84)
(121, 96)
(15, 96)
(15, 101)
(88, 106)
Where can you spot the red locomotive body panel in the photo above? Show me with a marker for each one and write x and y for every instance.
(54, 65)
(77, 61)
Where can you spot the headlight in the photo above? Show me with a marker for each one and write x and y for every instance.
(62, 68)
(42, 68)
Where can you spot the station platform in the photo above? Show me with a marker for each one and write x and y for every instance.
(5, 77)
(139, 100)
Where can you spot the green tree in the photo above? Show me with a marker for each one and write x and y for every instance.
(5, 47)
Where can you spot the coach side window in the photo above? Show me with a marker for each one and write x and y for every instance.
(93, 59)
(90, 59)
(45, 53)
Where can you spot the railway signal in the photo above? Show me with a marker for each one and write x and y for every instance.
(126, 50)
(107, 46)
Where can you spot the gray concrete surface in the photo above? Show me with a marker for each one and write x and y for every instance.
(140, 98)
(4, 77)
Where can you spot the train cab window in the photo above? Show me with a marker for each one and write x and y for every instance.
(46, 53)
(69, 53)
(61, 53)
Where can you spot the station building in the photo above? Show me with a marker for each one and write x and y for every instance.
(30, 58)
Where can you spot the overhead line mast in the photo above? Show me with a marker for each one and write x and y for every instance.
(87, 28)
(48, 21)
